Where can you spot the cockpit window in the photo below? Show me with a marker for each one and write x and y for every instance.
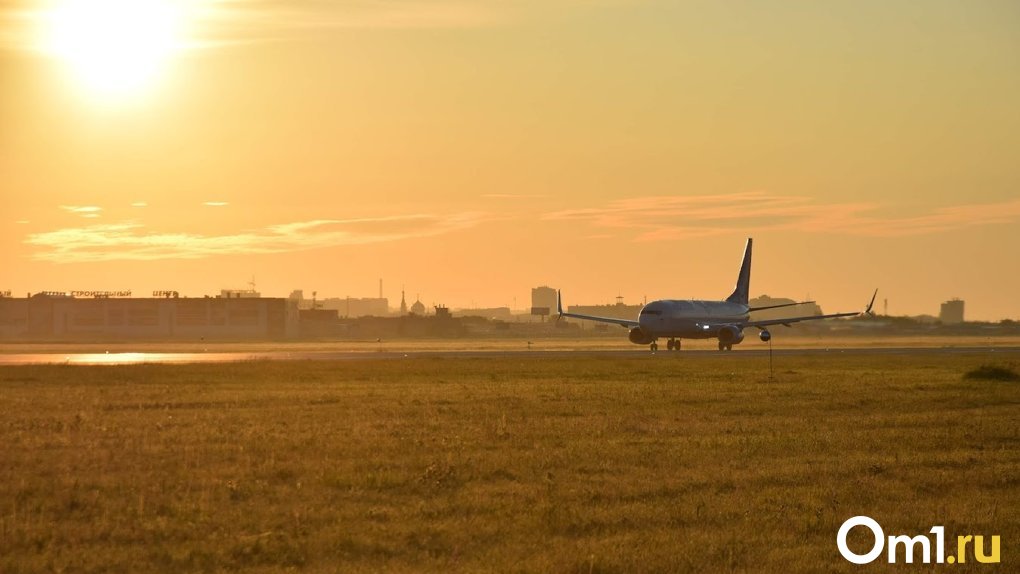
(651, 312)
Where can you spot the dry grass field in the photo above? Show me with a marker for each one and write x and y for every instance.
(653, 464)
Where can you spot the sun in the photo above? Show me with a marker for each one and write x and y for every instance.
(115, 48)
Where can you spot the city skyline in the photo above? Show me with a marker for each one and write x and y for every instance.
(475, 149)
(518, 306)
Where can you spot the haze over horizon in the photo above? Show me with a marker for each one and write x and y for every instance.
(471, 150)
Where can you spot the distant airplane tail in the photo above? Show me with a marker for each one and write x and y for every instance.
(743, 288)
(871, 304)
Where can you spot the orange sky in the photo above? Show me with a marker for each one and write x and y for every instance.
(471, 150)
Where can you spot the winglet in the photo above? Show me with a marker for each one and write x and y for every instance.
(559, 304)
(872, 303)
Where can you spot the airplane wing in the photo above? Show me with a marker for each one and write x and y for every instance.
(788, 321)
(753, 309)
(613, 320)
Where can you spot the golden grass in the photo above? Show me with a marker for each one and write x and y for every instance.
(655, 464)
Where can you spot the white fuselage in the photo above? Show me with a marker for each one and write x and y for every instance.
(691, 319)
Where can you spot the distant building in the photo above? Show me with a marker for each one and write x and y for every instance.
(239, 294)
(357, 306)
(543, 301)
(951, 312)
(497, 313)
(620, 310)
(418, 308)
(319, 323)
(403, 304)
(78, 319)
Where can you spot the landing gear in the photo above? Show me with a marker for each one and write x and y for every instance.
(725, 346)
(654, 346)
(673, 344)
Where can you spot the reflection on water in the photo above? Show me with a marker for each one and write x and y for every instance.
(123, 358)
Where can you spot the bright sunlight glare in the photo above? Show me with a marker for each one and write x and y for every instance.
(116, 48)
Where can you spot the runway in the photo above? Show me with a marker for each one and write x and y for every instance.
(131, 358)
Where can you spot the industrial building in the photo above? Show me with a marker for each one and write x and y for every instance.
(344, 306)
(61, 317)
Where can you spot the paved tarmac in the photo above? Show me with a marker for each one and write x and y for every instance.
(232, 357)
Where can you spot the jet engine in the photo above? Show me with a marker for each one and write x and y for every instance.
(731, 335)
(639, 337)
(764, 335)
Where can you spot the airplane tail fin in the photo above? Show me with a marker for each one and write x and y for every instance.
(743, 288)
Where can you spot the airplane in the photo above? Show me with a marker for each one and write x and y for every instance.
(696, 319)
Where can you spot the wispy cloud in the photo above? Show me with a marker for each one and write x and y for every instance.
(86, 211)
(133, 241)
(216, 203)
(139, 204)
(661, 218)
(513, 196)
